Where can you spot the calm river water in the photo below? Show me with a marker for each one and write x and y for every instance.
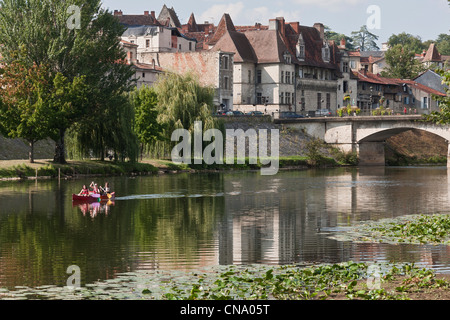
(191, 221)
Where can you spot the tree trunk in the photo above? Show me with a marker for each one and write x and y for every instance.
(60, 151)
(31, 152)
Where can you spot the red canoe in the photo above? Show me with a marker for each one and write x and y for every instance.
(94, 197)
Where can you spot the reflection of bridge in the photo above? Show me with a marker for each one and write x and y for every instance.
(364, 135)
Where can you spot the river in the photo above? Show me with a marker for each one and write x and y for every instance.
(190, 221)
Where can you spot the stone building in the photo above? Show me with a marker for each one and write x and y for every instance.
(212, 68)
(145, 74)
(280, 67)
(433, 59)
(395, 94)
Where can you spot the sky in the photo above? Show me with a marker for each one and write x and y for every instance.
(424, 18)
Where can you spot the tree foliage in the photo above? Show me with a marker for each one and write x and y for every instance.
(87, 53)
(332, 35)
(23, 113)
(145, 101)
(402, 63)
(404, 39)
(364, 40)
(181, 102)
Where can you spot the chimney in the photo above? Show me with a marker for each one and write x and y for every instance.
(343, 42)
(281, 25)
(116, 12)
(273, 24)
(206, 29)
(146, 13)
(321, 29)
(295, 26)
(153, 14)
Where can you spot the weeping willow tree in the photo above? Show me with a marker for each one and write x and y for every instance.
(181, 102)
(109, 133)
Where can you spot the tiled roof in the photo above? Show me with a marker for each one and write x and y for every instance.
(146, 66)
(238, 43)
(225, 24)
(267, 45)
(369, 77)
(169, 18)
(137, 20)
(432, 54)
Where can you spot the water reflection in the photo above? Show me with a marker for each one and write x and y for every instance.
(190, 221)
(95, 208)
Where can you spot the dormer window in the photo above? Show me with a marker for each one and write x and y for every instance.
(300, 48)
(326, 53)
(287, 58)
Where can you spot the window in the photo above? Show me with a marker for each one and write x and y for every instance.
(344, 66)
(425, 103)
(147, 43)
(282, 98)
(249, 76)
(300, 47)
(300, 73)
(326, 54)
(225, 62)
(288, 98)
(345, 86)
(319, 101)
(282, 76)
(143, 74)
(328, 101)
(179, 47)
(301, 51)
(226, 83)
(190, 46)
(259, 98)
(288, 77)
(258, 76)
(352, 64)
(293, 77)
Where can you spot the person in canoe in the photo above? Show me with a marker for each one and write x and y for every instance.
(94, 188)
(84, 191)
(105, 190)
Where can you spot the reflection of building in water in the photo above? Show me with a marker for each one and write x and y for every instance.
(272, 221)
(286, 220)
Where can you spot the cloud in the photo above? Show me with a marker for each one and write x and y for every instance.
(215, 13)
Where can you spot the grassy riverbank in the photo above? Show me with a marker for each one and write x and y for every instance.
(23, 169)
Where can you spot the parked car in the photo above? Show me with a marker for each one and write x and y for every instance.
(238, 113)
(255, 113)
(323, 113)
(294, 115)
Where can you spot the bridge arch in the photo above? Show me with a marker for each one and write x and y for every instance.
(371, 146)
(365, 135)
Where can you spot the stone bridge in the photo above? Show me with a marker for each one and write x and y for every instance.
(364, 135)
